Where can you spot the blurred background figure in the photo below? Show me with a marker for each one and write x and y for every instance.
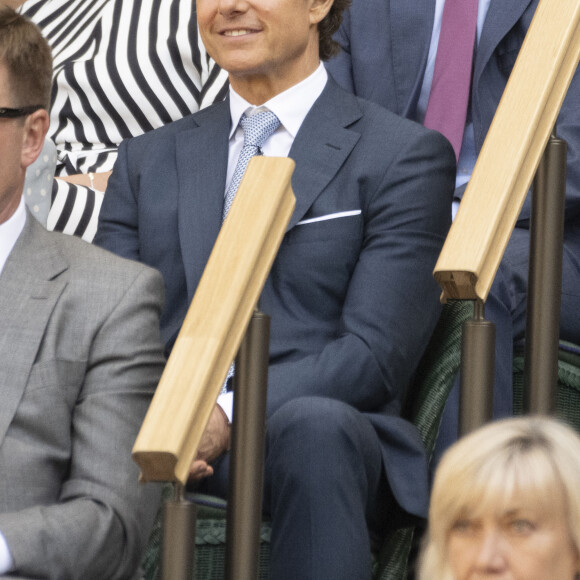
(121, 68)
(39, 182)
(506, 504)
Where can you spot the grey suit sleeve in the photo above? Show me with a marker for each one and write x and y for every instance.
(100, 523)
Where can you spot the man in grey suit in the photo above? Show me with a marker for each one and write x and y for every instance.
(80, 357)
(351, 295)
(388, 56)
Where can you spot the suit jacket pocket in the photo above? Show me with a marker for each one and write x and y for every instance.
(347, 227)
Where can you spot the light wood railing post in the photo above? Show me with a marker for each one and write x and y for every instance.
(501, 179)
(511, 152)
(210, 336)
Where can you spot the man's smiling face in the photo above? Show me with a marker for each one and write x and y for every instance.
(270, 42)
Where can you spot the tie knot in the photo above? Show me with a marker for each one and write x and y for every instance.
(257, 128)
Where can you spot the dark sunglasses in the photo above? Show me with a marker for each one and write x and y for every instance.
(7, 113)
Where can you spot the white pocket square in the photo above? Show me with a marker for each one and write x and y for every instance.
(330, 216)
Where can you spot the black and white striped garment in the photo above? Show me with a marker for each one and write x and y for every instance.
(74, 210)
(121, 68)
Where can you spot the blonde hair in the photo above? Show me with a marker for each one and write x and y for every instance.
(535, 457)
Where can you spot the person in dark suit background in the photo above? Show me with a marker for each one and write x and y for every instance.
(388, 56)
(351, 295)
(80, 357)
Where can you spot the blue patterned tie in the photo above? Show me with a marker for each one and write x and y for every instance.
(257, 128)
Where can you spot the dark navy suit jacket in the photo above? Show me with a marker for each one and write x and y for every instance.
(352, 299)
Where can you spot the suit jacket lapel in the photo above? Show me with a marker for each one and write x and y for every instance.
(29, 289)
(322, 145)
(500, 19)
(320, 148)
(202, 157)
(411, 19)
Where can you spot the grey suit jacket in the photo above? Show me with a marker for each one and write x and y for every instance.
(352, 299)
(80, 357)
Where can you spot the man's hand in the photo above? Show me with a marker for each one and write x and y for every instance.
(214, 442)
(199, 469)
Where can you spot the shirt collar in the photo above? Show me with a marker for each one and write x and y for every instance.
(10, 230)
(290, 106)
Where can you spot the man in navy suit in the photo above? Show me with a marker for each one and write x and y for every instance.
(351, 294)
(388, 56)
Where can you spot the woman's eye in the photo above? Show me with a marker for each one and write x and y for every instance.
(462, 526)
(522, 526)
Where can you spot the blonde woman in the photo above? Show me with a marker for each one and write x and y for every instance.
(506, 504)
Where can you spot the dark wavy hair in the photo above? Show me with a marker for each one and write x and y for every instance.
(27, 58)
(328, 26)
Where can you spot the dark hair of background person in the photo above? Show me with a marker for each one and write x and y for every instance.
(26, 55)
(328, 26)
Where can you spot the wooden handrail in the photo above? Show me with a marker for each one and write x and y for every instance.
(511, 152)
(216, 321)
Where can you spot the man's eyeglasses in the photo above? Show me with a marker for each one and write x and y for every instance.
(7, 113)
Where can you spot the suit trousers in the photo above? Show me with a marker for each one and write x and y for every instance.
(324, 488)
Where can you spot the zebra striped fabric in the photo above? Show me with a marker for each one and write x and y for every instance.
(121, 68)
(74, 210)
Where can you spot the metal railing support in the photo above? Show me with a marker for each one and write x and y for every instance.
(477, 371)
(545, 279)
(178, 543)
(244, 515)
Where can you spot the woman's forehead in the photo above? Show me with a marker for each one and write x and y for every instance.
(513, 492)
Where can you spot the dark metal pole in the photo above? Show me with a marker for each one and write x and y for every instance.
(178, 544)
(477, 371)
(545, 279)
(247, 454)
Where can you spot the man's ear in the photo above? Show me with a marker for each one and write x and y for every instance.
(319, 9)
(35, 129)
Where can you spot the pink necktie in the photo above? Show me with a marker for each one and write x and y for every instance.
(447, 107)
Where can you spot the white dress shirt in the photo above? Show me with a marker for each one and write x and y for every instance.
(291, 108)
(6, 562)
(9, 232)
